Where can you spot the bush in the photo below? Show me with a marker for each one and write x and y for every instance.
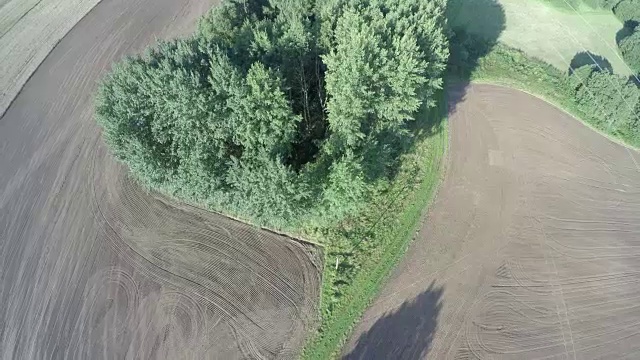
(284, 112)
(628, 10)
(630, 49)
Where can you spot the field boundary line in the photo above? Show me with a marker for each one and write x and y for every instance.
(295, 238)
(524, 89)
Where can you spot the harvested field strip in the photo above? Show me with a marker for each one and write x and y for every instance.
(29, 29)
(531, 256)
(93, 264)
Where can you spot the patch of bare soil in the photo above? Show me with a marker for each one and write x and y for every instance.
(91, 265)
(531, 249)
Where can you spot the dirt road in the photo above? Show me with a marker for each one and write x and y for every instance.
(92, 266)
(531, 249)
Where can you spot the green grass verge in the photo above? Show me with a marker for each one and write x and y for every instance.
(511, 67)
(384, 230)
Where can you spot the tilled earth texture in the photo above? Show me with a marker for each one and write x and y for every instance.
(29, 29)
(530, 250)
(91, 265)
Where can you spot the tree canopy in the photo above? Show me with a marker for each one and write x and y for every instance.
(627, 10)
(630, 49)
(280, 111)
(614, 99)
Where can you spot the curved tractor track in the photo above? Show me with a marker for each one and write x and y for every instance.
(91, 265)
(530, 250)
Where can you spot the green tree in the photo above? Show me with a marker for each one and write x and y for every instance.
(281, 111)
(628, 10)
(612, 98)
(630, 49)
(385, 62)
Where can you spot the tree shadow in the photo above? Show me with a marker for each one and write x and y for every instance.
(406, 333)
(627, 29)
(476, 26)
(588, 58)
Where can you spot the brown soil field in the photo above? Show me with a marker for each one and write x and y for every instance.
(530, 250)
(91, 265)
(29, 29)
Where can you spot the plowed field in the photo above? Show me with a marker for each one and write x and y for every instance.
(531, 249)
(91, 265)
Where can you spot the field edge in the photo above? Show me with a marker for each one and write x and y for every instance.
(540, 80)
(335, 329)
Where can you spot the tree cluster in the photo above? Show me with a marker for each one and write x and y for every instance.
(630, 49)
(613, 100)
(279, 111)
(627, 10)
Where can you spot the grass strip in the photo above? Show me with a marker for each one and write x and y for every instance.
(390, 224)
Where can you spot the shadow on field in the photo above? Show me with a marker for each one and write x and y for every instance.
(627, 29)
(406, 333)
(588, 58)
(475, 26)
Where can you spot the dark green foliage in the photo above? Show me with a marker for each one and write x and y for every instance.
(580, 76)
(475, 29)
(630, 49)
(285, 112)
(482, 18)
(611, 98)
(382, 66)
(188, 122)
(628, 10)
